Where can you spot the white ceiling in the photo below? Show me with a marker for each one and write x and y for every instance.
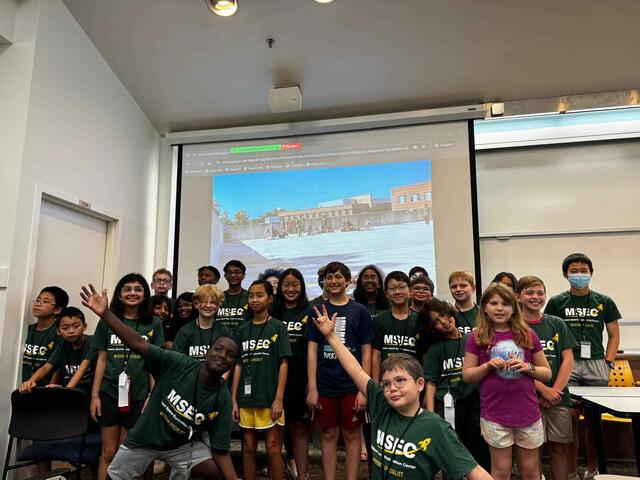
(189, 69)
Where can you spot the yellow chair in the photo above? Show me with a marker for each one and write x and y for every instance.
(621, 375)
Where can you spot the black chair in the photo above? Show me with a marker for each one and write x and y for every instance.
(57, 421)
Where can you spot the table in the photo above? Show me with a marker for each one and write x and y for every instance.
(619, 401)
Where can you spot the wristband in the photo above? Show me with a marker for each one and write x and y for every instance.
(532, 369)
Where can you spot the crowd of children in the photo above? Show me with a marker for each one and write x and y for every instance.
(434, 386)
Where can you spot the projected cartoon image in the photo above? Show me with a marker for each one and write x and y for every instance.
(380, 214)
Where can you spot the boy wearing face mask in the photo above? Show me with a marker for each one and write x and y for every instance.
(586, 313)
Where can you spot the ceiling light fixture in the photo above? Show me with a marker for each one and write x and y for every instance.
(223, 8)
(324, 1)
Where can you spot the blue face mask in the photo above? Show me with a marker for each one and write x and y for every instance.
(579, 280)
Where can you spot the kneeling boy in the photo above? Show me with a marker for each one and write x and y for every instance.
(408, 442)
(188, 414)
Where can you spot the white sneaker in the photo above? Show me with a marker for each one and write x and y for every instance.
(574, 476)
(291, 469)
(590, 475)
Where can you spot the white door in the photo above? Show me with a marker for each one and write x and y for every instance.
(70, 252)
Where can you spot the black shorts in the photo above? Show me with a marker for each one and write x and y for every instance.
(111, 414)
(295, 405)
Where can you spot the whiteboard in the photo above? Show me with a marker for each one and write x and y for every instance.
(537, 205)
(616, 262)
(564, 188)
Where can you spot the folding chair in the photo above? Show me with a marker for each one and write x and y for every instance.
(57, 421)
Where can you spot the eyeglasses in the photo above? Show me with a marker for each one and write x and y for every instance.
(126, 289)
(161, 281)
(291, 285)
(234, 273)
(398, 382)
(38, 301)
(421, 289)
(399, 288)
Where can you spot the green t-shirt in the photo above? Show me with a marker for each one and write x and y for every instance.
(585, 316)
(180, 406)
(296, 323)
(392, 336)
(443, 366)
(233, 311)
(68, 359)
(262, 347)
(415, 451)
(555, 338)
(118, 355)
(466, 321)
(373, 309)
(195, 341)
(38, 347)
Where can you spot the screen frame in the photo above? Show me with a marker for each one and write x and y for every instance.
(248, 137)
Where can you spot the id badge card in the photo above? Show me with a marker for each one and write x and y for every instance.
(585, 349)
(449, 410)
(247, 386)
(124, 384)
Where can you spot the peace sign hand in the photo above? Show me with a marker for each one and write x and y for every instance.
(323, 323)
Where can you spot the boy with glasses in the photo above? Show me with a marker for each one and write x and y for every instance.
(408, 442)
(233, 311)
(394, 330)
(421, 291)
(42, 336)
(161, 282)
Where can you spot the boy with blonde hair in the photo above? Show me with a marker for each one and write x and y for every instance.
(195, 338)
(462, 286)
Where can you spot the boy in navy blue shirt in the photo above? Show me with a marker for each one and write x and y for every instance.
(334, 398)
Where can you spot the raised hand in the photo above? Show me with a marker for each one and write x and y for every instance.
(93, 300)
(322, 321)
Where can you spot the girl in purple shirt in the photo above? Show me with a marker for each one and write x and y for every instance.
(505, 357)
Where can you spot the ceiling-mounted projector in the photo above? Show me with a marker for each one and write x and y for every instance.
(285, 99)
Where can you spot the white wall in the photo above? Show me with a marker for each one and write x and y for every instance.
(73, 127)
(8, 10)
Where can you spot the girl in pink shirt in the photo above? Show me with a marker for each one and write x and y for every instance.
(504, 355)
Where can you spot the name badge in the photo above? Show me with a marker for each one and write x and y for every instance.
(449, 410)
(247, 386)
(124, 384)
(585, 349)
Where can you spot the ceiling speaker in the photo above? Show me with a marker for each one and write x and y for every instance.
(285, 99)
